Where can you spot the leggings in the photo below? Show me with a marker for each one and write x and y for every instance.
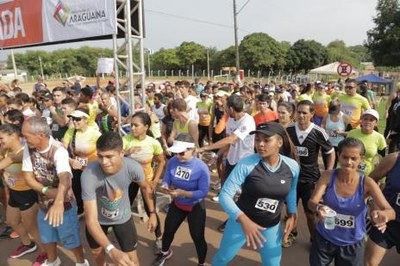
(77, 189)
(197, 222)
(133, 191)
(234, 238)
(203, 133)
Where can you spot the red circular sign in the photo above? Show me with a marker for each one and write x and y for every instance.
(344, 69)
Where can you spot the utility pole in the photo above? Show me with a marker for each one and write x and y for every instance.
(14, 65)
(41, 67)
(235, 13)
(208, 63)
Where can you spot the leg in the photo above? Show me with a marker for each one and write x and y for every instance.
(14, 220)
(197, 224)
(322, 251)
(96, 250)
(78, 253)
(77, 189)
(232, 241)
(174, 219)
(202, 134)
(351, 255)
(127, 239)
(146, 208)
(133, 191)
(29, 218)
(374, 254)
(48, 236)
(271, 252)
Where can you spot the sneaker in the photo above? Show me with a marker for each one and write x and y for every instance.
(162, 257)
(215, 198)
(85, 263)
(22, 250)
(40, 259)
(14, 235)
(6, 232)
(57, 262)
(221, 228)
(157, 246)
(290, 241)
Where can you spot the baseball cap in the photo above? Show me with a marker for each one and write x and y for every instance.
(269, 129)
(372, 112)
(180, 146)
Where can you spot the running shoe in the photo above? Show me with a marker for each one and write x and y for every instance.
(291, 240)
(162, 257)
(14, 235)
(40, 259)
(22, 250)
(57, 262)
(6, 232)
(221, 228)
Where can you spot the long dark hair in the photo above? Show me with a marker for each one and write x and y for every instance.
(146, 120)
(288, 149)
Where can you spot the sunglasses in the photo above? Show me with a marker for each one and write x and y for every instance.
(349, 87)
(182, 153)
(76, 119)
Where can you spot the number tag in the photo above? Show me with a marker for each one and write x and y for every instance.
(110, 214)
(267, 204)
(11, 181)
(183, 173)
(302, 151)
(398, 199)
(345, 221)
(83, 161)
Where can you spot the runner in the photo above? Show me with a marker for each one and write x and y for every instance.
(187, 180)
(46, 170)
(344, 191)
(148, 152)
(267, 179)
(286, 112)
(105, 185)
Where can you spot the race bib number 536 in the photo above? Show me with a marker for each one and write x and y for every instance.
(183, 173)
(266, 204)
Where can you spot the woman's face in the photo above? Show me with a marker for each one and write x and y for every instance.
(284, 115)
(368, 123)
(79, 122)
(350, 158)
(138, 127)
(6, 140)
(185, 156)
(105, 99)
(267, 146)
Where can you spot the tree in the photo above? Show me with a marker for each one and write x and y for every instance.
(191, 53)
(165, 59)
(224, 58)
(384, 40)
(361, 53)
(338, 51)
(305, 55)
(259, 51)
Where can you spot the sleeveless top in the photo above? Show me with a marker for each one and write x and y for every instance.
(392, 188)
(331, 126)
(184, 129)
(350, 221)
(13, 176)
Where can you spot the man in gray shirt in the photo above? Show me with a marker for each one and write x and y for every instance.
(105, 184)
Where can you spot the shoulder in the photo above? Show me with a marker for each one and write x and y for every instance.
(290, 162)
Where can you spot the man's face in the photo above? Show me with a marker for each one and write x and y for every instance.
(110, 161)
(303, 115)
(33, 140)
(58, 96)
(350, 88)
(67, 109)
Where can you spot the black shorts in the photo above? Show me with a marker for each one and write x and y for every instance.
(304, 192)
(23, 200)
(390, 238)
(125, 233)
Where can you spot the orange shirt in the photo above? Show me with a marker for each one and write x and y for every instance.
(260, 118)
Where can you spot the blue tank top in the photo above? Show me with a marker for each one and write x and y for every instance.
(332, 126)
(392, 188)
(350, 224)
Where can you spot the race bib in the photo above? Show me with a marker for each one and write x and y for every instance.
(82, 161)
(267, 204)
(109, 214)
(345, 221)
(332, 134)
(398, 199)
(183, 173)
(302, 151)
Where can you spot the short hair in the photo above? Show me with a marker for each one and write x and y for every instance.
(158, 96)
(14, 101)
(61, 89)
(235, 102)
(109, 141)
(184, 83)
(69, 101)
(38, 125)
(349, 80)
(87, 92)
(185, 137)
(170, 95)
(10, 129)
(351, 143)
(179, 104)
(263, 97)
(15, 116)
(308, 103)
(24, 97)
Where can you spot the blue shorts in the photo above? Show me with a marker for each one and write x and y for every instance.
(67, 233)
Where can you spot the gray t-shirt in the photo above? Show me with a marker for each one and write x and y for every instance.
(111, 192)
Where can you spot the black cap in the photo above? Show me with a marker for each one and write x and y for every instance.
(269, 129)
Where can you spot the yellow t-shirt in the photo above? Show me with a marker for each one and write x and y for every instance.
(353, 106)
(85, 143)
(145, 150)
(204, 111)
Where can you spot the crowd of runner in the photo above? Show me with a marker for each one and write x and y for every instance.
(63, 159)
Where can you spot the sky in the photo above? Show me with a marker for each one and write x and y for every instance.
(210, 22)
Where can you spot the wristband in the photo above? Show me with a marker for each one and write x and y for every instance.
(152, 212)
(109, 248)
(44, 190)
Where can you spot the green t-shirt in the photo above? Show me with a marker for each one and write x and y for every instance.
(353, 106)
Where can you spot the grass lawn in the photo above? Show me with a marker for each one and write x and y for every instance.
(381, 110)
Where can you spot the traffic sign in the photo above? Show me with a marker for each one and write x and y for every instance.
(344, 69)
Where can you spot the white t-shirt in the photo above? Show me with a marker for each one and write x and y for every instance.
(61, 159)
(244, 146)
(191, 102)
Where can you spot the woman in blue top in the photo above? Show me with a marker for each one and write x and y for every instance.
(267, 179)
(187, 180)
(345, 191)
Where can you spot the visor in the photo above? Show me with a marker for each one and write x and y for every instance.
(78, 114)
(181, 146)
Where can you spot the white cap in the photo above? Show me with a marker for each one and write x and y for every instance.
(180, 146)
(78, 114)
(372, 112)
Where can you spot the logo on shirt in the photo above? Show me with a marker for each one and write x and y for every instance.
(283, 181)
(243, 129)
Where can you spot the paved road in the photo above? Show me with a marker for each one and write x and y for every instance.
(184, 251)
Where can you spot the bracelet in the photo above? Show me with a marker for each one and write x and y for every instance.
(152, 212)
(44, 190)
(109, 248)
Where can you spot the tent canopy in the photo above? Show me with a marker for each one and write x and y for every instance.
(329, 69)
(372, 78)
